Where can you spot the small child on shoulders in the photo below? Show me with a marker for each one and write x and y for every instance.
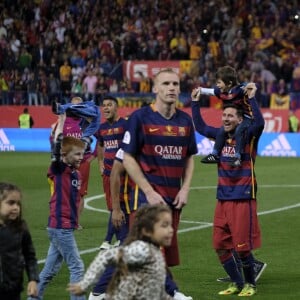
(229, 90)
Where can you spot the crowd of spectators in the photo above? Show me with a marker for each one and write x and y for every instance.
(52, 49)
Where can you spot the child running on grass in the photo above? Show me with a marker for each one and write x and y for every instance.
(140, 265)
(65, 182)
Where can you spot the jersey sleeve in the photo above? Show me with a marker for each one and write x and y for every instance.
(258, 122)
(99, 137)
(119, 155)
(29, 255)
(200, 124)
(98, 266)
(208, 92)
(132, 137)
(192, 144)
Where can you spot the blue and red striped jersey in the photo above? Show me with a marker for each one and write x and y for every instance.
(110, 137)
(235, 183)
(161, 147)
(127, 184)
(65, 195)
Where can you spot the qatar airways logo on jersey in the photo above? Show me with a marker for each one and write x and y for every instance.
(169, 152)
(228, 151)
(76, 135)
(111, 144)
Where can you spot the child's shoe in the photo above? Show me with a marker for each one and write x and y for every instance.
(180, 296)
(105, 246)
(116, 244)
(96, 296)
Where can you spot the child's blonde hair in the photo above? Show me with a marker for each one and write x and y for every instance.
(68, 142)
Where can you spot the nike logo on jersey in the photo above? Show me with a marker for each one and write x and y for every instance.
(241, 245)
(153, 129)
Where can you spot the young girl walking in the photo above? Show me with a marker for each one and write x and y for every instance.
(16, 248)
(140, 264)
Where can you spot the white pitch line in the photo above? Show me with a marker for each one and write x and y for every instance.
(89, 199)
(199, 227)
(271, 211)
(206, 225)
(192, 222)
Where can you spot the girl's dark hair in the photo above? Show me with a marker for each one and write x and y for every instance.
(5, 189)
(228, 75)
(145, 219)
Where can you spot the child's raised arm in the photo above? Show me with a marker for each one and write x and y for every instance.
(60, 126)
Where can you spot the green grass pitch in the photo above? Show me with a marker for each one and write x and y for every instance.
(278, 205)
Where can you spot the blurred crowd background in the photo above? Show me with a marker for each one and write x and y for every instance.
(50, 50)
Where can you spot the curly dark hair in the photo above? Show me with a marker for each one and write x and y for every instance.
(145, 219)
